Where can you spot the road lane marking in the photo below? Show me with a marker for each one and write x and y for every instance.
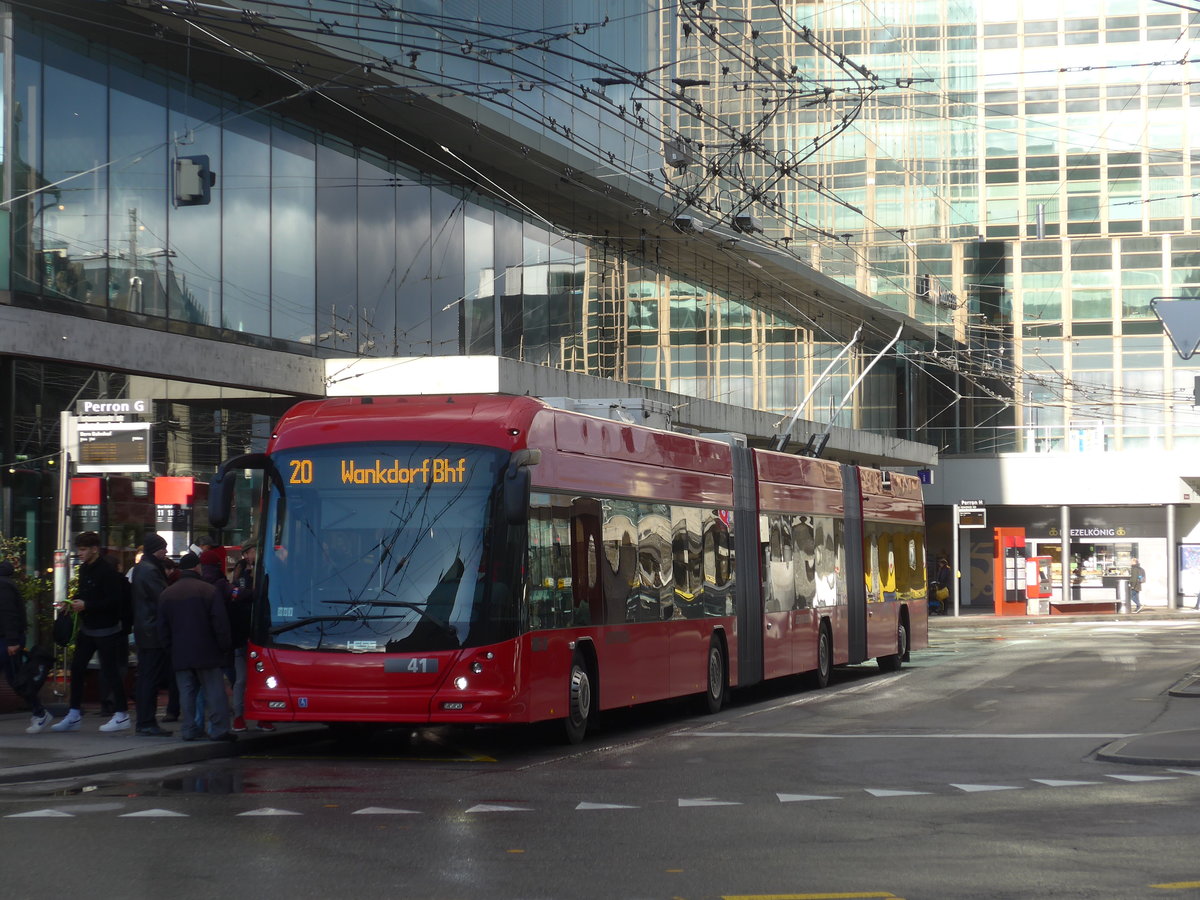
(497, 807)
(881, 895)
(153, 814)
(269, 811)
(970, 736)
(979, 788)
(384, 811)
(800, 798)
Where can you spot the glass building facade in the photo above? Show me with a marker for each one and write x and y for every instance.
(330, 229)
(513, 178)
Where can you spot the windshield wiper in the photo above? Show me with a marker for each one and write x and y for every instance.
(404, 604)
(309, 620)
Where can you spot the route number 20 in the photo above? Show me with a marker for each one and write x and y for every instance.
(302, 471)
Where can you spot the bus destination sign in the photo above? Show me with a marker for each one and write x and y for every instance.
(432, 470)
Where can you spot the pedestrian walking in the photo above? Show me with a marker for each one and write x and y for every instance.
(193, 623)
(149, 579)
(98, 601)
(13, 624)
(1137, 578)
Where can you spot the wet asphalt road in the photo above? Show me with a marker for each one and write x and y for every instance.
(968, 774)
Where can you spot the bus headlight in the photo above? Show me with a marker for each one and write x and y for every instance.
(272, 682)
(461, 682)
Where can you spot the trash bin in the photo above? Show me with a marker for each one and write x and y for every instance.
(1122, 593)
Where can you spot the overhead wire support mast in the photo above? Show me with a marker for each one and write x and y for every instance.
(816, 445)
(785, 435)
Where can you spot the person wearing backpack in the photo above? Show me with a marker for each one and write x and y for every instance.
(12, 630)
(98, 601)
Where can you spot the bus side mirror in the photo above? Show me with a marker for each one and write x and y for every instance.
(220, 491)
(516, 485)
(516, 495)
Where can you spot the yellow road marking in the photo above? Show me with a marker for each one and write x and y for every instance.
(1177, 885)
(851, 896)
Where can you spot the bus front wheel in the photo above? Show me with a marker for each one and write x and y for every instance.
(579, 700)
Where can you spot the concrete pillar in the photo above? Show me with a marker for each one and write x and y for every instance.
(1064, 530)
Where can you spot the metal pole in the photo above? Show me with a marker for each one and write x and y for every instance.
(66, 435)
(1172, 561)
(1064, 530)
(954, 562)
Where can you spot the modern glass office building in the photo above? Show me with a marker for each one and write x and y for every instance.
(1031, 166)
(708, 199)
(202, 203)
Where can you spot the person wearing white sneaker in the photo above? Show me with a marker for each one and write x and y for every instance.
(98, 600)
(119, 722)
(69, 722)
(39, 723)
(12, 630)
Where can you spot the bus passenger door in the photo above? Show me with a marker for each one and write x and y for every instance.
(856, 588)
(778, 587)
(586, 587)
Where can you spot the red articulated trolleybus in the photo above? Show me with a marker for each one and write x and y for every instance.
(495, 559)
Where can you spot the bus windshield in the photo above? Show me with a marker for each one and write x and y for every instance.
(374, 548)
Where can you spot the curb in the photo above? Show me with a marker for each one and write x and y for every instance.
(1187, 686)
(1166, 753)
(173, 753)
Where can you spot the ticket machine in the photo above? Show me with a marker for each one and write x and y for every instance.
(1039, 584)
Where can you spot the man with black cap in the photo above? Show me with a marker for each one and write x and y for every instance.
(194, 626)
(149, 581)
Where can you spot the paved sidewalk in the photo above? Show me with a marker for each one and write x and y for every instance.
(1162, 748)
(52, 754)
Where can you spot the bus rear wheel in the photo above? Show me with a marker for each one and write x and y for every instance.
(718, 680)
(579, 700)
(893, 662)
(821, 674)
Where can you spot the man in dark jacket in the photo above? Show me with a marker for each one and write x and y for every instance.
(149, 581)
(12, 631)
(194, 626)
(98, 602)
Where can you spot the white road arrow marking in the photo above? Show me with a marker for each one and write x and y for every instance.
(880, 792)
(586, 805)
(1054, 782)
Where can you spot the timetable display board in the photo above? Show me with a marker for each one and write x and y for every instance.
(113, 447)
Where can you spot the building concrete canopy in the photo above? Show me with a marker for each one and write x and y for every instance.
(493, 374)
